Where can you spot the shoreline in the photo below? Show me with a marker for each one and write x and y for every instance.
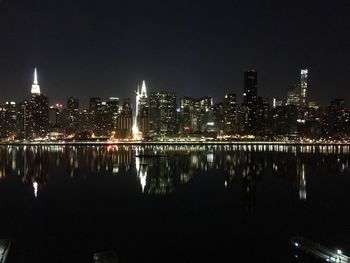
(165, 143)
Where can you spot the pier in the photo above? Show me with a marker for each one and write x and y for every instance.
(319, 251)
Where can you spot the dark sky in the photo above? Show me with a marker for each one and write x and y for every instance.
(196, 48)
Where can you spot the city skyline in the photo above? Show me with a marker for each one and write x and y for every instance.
(179, 46)
(240, 97)
(155, 115)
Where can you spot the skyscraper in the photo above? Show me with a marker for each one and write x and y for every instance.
(303, 87)
(39, 109)
(230, 113)
(143, 115)
(163, 113)
(10, 119)
(141, 121)
(113, 112)
(35, 86)
(24, 119)
(298, 95)
(73, 112)
(250, 100)
(124, 124)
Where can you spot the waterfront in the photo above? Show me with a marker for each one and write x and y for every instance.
(177, 203)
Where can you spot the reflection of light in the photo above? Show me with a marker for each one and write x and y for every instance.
(35, 185)
(210, 157)
(115, 169)
(302, 182)
(141, 171)
(143, 177)
(339, 251)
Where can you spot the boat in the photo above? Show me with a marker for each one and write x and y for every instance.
(5, 245)
(319, 251)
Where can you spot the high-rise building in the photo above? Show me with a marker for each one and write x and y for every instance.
(113, 112)
(141, 118)
(10, 120)
(53, 116)
(250, 99)
(303, 87)
(94, 104)
(39, 105)
(124, 125)
(93, 113)
(163, 113)
(73, 110)
(39, 109)
(298, 95)
(230, 113)
(333, 117)
(294, 96)
(2, 121)
(276, 102)
(35, 86)
(262, 117)
(196, 114)
(186, 114)
(24, 120)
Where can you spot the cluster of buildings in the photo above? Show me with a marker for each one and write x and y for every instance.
(158, 116)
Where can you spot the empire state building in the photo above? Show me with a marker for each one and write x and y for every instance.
(39, 106)
(35, 86)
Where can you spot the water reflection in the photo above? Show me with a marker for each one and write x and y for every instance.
(162, 169)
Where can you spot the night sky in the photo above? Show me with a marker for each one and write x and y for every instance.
(195, 48)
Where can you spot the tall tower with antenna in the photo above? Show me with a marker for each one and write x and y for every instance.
(35, 86)
(140, 125)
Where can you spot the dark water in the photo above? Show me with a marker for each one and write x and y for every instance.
(172, 204)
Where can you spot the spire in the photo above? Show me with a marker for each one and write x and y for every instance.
(143, 89)
(35, 77)
(35, 87)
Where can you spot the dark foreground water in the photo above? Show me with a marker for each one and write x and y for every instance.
(172, 204)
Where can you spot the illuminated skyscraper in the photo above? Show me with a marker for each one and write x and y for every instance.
(163, 113)
(39, 110)
(24, 119)
(230, 113)
(113, 112)
(124, 121)
(250, 100)
(144, 111)
(35, 86)
(303, 87)
(141, 120)
(298, 95)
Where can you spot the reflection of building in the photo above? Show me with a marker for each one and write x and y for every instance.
(251, 171)
(302, 180)
(141, 170)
